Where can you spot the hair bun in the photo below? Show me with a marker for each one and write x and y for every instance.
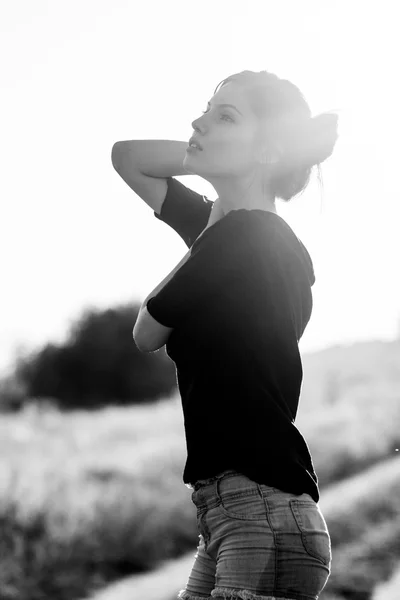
(323, 134)
(307, 141)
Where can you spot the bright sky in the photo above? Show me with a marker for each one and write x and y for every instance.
(78, 75)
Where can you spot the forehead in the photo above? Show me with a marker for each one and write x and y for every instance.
(232, 93)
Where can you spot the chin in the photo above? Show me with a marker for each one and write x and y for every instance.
(186, 165)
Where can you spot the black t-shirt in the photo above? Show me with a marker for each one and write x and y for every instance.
(238, 307)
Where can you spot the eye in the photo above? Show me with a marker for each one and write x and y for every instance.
(223, 114)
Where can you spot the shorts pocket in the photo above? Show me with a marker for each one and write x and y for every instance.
(314, 531)
(244, 505)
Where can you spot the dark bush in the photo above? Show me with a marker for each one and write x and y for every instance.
(99, 364)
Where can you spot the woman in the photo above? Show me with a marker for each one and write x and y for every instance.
(231, 314)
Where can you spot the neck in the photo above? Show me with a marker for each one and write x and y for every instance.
(237, 193)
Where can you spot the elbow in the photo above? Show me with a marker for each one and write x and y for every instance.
(148, 334)
(116, 154)
(142, 347)
(141, 342)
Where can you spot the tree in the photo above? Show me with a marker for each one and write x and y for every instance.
(99, 364)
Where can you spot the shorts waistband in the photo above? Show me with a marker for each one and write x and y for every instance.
(200, 482)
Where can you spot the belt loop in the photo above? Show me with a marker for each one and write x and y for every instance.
(217, 482)
(219, 499)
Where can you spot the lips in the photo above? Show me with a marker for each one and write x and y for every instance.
(194, 141)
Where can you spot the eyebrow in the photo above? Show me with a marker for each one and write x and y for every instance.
(231, 105)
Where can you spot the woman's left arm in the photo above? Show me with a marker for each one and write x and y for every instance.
(149, 334)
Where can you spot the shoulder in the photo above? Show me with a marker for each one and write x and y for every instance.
(184, 210)
(271, 240)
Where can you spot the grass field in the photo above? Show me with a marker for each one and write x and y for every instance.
(93, 499)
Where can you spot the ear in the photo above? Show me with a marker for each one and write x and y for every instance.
(270, 159)
(271, 155)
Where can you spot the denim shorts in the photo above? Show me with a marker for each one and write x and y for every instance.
(257, 542)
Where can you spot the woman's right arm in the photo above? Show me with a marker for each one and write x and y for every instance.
(149, 167)
(145, 164)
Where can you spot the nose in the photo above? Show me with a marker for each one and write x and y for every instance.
(195, 124)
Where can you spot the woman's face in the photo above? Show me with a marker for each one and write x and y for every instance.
(228, 137)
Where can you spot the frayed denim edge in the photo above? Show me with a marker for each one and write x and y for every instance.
(184, 595)
(228, 593)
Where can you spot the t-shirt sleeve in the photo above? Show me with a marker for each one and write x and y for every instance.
(231, 292)
(191, 286)
(186, 211)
